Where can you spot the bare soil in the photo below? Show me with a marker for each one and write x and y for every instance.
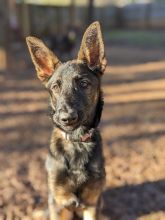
(133, 130)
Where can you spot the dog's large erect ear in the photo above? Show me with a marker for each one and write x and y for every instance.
(44, 59)
(92, 48)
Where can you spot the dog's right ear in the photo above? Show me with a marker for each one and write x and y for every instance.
(44, 60)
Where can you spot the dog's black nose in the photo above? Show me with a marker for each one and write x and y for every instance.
(69, 118)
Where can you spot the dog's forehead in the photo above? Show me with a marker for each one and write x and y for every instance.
(69, 70)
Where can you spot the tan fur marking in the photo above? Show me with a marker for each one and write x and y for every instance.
(92, 192)
(89, 213)
(66, 215)
(62, 196)
(62, 193)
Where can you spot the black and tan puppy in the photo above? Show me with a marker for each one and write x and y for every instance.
(75, 162)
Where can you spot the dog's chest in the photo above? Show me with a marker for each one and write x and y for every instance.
(77, 159)
(70, 162)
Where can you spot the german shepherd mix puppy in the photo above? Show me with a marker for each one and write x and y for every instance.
(75, 164)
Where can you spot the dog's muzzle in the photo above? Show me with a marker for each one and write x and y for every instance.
(68, 118)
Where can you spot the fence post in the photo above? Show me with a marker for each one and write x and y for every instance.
(25, 18)
(148, 11)
(90, 11)
(4, 36)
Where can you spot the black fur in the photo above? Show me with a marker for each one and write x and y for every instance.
(75, 164)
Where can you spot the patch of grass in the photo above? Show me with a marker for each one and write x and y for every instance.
(137, 37)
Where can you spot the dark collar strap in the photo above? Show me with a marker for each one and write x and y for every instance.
(87, 137)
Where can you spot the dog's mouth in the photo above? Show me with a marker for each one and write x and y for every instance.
(70, 126)
(67, 126)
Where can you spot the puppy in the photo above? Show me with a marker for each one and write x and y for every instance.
(75, 163)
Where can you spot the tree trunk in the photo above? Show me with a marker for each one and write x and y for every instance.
(148, 12)
(72, 13)
(4, 36)
(90, 11)
(25, 19)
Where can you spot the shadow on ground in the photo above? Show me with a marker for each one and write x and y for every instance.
(133, 201)
(133, 132)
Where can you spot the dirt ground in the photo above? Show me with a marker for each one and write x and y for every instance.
(133, 130)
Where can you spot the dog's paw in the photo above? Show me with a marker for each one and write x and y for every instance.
(71, 203)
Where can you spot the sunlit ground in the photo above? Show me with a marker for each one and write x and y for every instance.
(133, 130)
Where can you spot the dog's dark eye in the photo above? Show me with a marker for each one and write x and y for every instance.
(84, 84)
(55, 87)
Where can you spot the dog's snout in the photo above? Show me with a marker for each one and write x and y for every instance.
(69, 117)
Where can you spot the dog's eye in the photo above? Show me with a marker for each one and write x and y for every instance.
(55, 87)
(84, 84)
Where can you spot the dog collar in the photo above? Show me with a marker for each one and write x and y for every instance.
(87, 137)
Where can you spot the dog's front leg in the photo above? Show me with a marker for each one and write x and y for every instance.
(89, 213)
(65, 197)
(54, 212)
(90, 196)
(62, 193)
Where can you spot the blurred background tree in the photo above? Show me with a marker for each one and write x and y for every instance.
(4, 36)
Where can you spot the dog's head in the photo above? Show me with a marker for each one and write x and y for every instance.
(74, 86)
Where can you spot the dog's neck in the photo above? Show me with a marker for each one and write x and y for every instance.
(82, 137)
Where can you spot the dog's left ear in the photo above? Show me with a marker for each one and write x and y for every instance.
(92, 48)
